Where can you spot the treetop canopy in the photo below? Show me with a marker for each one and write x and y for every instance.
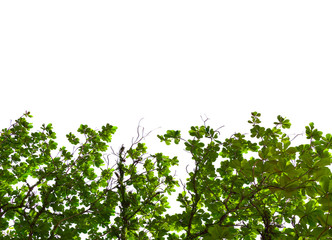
(280, 191)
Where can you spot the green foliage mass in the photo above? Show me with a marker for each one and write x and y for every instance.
(238, 188)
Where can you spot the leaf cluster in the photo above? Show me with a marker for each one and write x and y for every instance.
(238, 188)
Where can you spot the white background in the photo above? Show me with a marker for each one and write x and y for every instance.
(73, 62)
(169, 62)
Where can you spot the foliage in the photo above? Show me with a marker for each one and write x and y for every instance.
(238, 188)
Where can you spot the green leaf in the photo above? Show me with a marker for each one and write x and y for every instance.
(321, 172)
(217, 232)
(291, 150)
(325, 182)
